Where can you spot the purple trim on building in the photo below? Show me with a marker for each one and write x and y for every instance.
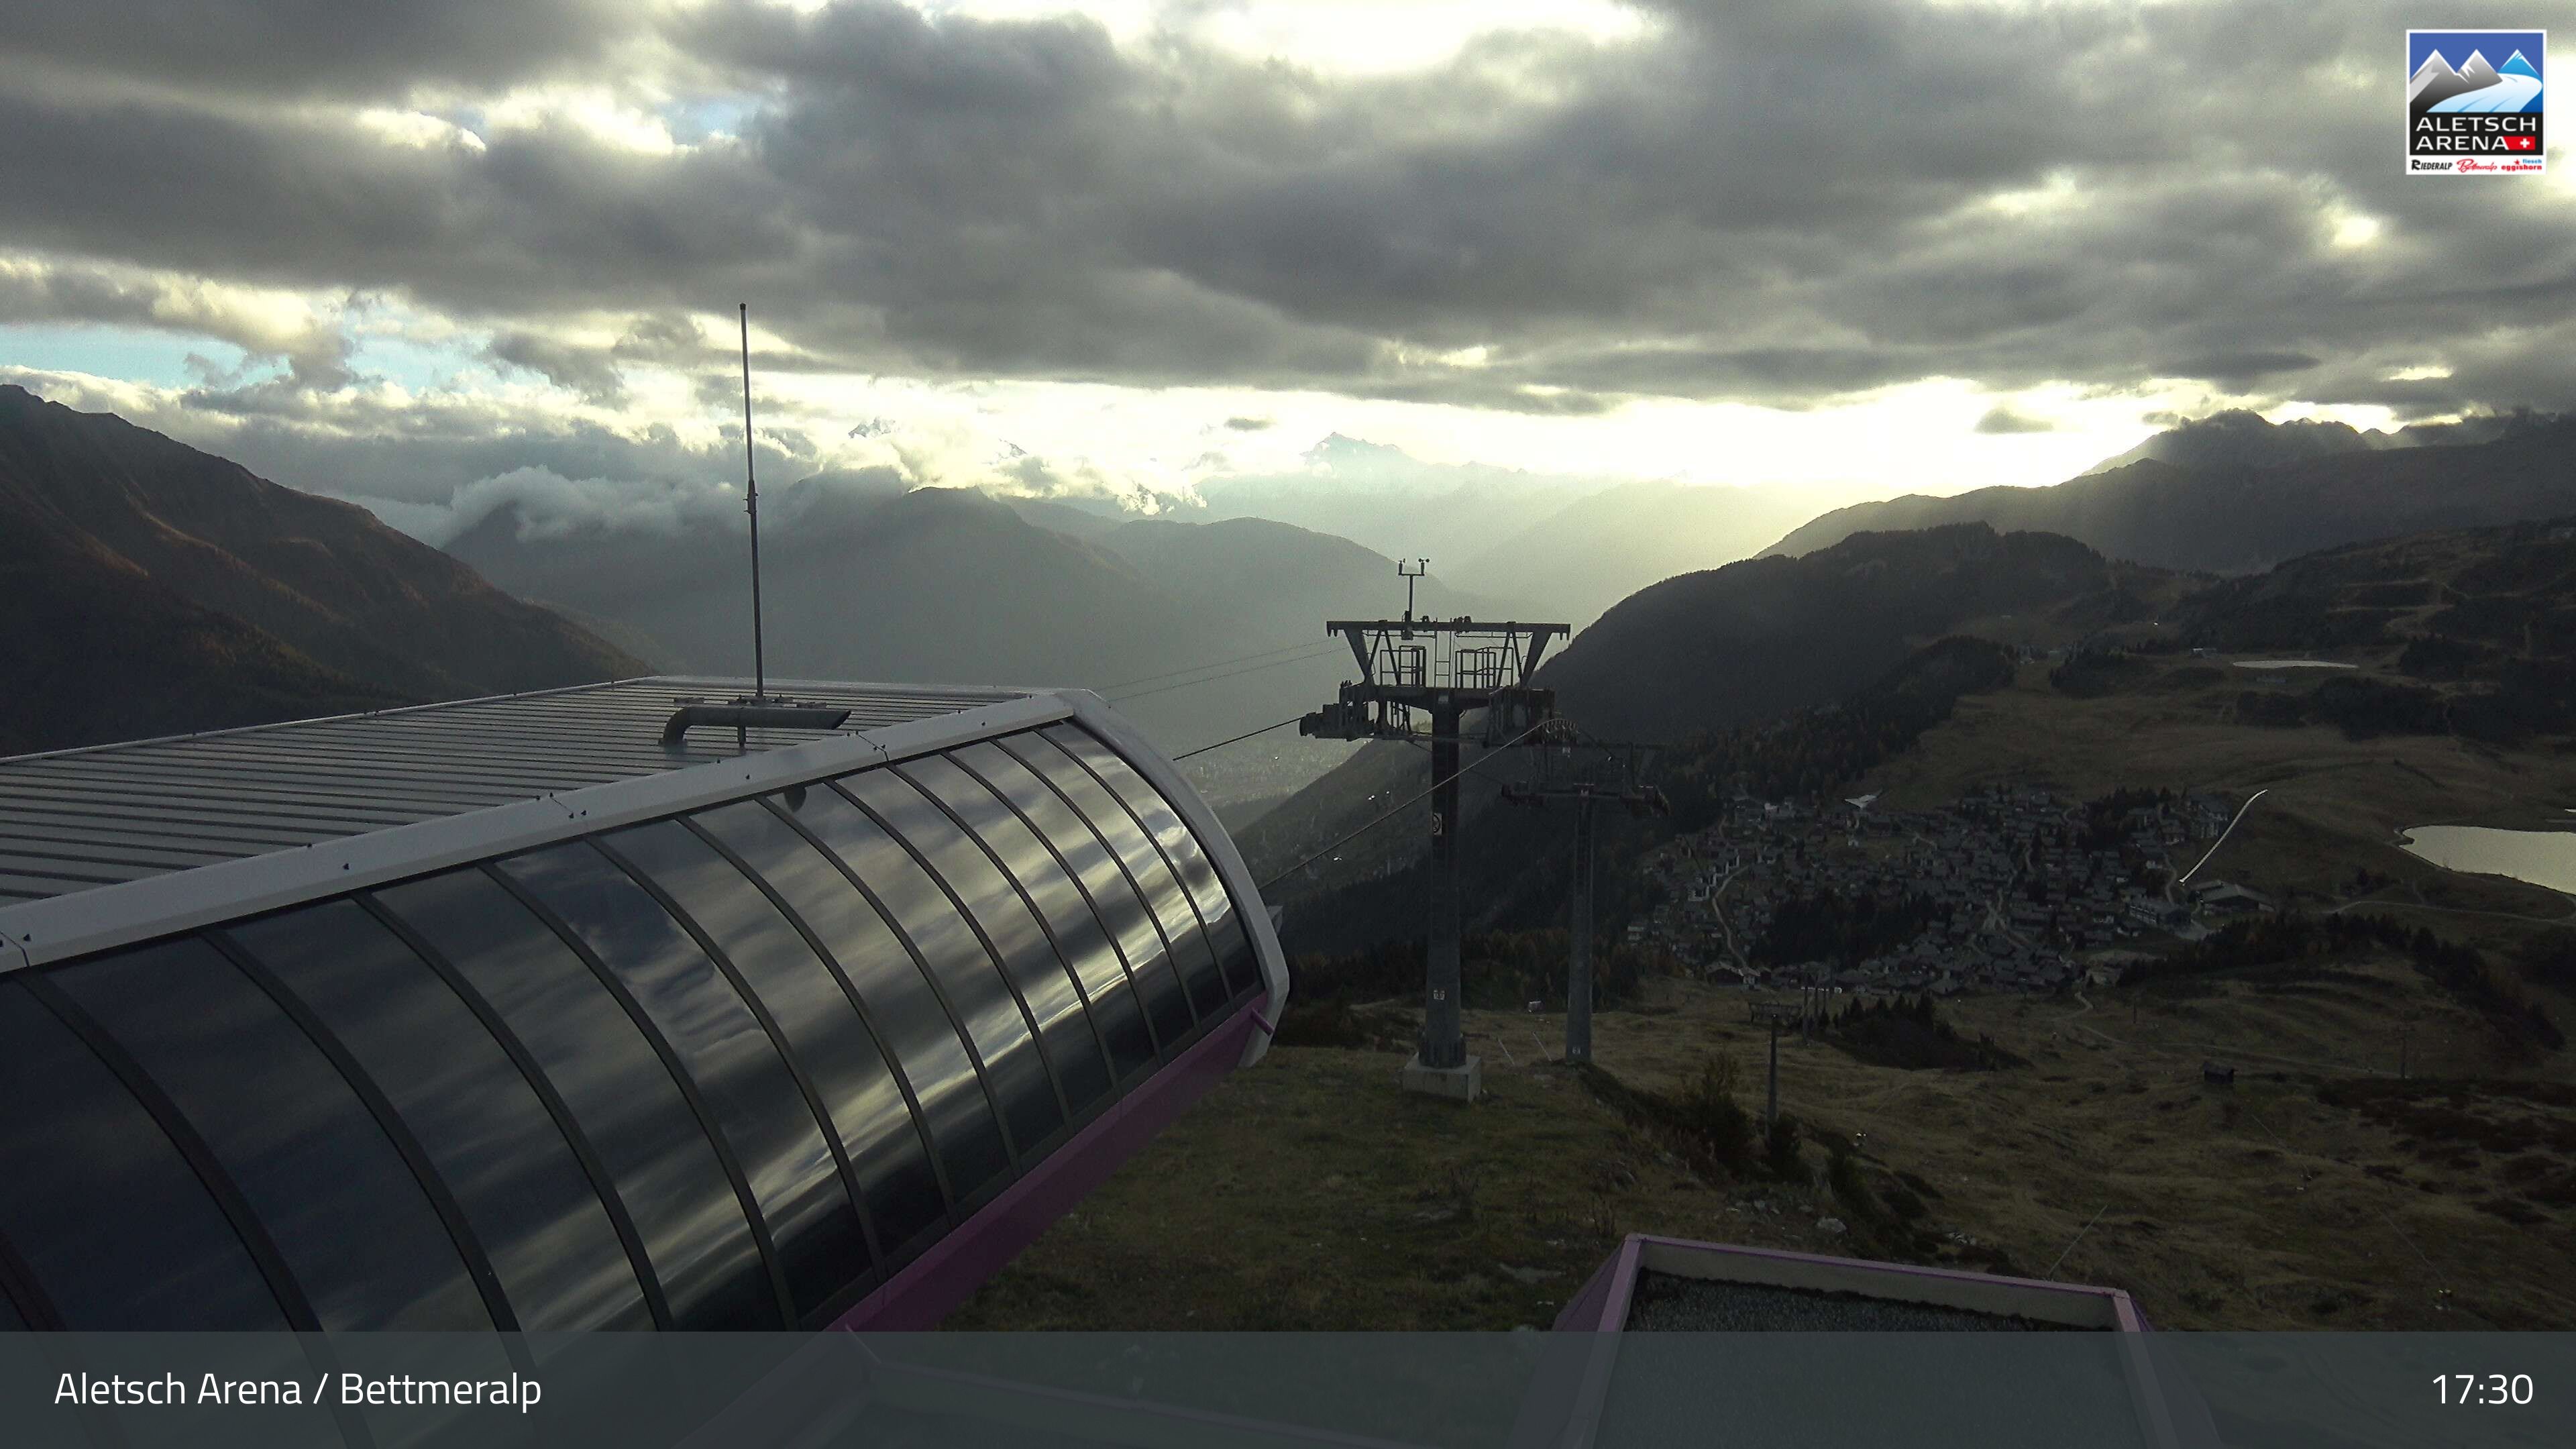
(1583, 1312)
(1603, 1306)
(948, 1274)
(1623, 1286)
(2124, 1310)
(1618, 1284)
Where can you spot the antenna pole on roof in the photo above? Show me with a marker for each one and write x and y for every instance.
(751, 505)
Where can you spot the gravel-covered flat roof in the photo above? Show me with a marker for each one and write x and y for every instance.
(1669, 1303)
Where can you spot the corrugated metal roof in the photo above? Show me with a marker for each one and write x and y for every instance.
(77, 819)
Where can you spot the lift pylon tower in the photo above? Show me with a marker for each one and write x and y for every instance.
(1447, 669)
(1776, 1013)
(1611, 774)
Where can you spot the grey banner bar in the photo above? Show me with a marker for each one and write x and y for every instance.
(1280, 1391)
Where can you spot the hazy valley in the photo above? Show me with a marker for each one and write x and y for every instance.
(2088, 640)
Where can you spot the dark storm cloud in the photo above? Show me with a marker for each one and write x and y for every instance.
(1781, 204)
(294, 47)
(582, 370)
(2003, 420)
(2239, 368)
(534, 221)
(1789, 371)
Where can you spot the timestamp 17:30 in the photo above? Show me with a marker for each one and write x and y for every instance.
(2490, 1390)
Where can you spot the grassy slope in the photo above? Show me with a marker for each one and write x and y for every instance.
(2334, 804)
(1311, 1193)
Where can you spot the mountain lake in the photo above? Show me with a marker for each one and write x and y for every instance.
(2541, 857)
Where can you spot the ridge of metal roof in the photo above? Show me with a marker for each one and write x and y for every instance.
(655, 682)
(38, 932)
(106, 818)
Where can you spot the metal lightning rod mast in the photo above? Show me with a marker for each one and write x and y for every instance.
(756, 710)
(751, 505)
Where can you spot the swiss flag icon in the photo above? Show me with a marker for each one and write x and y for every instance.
(2521, 143)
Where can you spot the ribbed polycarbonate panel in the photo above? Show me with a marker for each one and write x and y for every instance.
(731, 1068)
(100, 1204)
(552, 1242)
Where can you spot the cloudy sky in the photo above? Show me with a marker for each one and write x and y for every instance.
(392, 248)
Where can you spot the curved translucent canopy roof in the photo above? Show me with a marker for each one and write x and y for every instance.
(743, 1063)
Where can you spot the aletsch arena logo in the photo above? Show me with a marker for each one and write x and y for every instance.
(2473, 102)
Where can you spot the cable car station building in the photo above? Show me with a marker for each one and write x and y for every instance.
(585, 1009)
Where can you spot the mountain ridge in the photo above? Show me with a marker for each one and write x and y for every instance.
(1777, 633)
(2243, 518)
(257, 600)
(962, 586)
